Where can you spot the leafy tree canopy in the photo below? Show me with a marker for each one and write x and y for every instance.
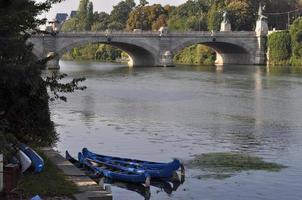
(148, 17)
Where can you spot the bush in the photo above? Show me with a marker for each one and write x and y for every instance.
(279, 44)
(296, 36)
(196, 55)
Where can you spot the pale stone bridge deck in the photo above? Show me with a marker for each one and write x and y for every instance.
(157, 48)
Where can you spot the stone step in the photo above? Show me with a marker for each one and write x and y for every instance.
(88, 188)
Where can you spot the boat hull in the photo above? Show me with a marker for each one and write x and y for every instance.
(36, 161)
(24, 160)
(154, 169)
(114, 172)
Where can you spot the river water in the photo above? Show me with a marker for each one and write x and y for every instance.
(161, 113)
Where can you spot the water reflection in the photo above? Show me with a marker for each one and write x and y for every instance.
(166, 186)
(159, 113)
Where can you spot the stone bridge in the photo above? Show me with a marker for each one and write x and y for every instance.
(158, 48)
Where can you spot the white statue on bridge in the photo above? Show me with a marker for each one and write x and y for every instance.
(225, 17)
(260, 13)
(261, 24)
(225, 24)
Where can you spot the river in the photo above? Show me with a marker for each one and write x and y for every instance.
(161, 113)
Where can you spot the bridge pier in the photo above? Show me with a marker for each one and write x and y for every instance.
(53, 64)
(166, 59)
(234, 59)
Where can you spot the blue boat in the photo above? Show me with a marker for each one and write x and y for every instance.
(114, 172)
(36, 161)
(154, 169)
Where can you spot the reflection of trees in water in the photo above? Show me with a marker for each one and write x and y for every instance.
(259, 124)
(87, 112)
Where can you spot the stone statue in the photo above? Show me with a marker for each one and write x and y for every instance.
(260, 13)
(225, 24)
(225, 17)
(261, 24)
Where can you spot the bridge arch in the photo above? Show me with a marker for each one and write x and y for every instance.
(228, 51)
(141, 53)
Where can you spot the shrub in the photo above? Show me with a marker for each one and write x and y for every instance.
(279, 44)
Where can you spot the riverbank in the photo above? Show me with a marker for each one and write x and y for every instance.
(60, 180)
(86, 188)
(51, 182)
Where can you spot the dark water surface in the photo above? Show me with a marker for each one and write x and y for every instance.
(161, 113)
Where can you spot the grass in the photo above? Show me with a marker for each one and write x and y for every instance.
(226, 164)
(49, 183)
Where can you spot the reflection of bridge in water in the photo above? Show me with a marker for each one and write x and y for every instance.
(158, 48)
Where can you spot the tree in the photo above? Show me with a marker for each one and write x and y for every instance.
(70, 25)
(279, 44)
(120, 13)
(193, 12)
(161, 21)
(281, 21)
(115, 26)
(296, 41)
(90, 17)
(24, 111)
(147, 18)
(100, 22)
(242, 15)
(143, 3)
(82, 10)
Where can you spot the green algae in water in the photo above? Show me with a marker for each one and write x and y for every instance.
(233, 162)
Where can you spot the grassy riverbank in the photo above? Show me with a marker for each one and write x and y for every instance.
(49, 183)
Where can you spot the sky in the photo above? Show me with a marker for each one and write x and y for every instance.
(99, 5)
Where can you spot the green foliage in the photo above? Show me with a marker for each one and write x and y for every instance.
(119, 14)
(242, 14)
(23, 95)
(83, 21)
(214, 18)
(5, 148)
(147, 18)
(90, 17)
(24, 111)
(101, 21)
(50, 183)
(221, 165)
(70, 25)
(108, 53)
(82, 15)
(53, 82)
(189, 16)
(296, 37)
(100, 52)
(24, 102)
(279, 44)
(197, 55)
(280, 21)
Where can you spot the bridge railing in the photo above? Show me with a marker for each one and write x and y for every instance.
(158, 34)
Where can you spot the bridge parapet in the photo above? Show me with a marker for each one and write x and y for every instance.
(157, 33)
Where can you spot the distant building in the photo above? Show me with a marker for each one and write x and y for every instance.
(61, 17)
(73, 14)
